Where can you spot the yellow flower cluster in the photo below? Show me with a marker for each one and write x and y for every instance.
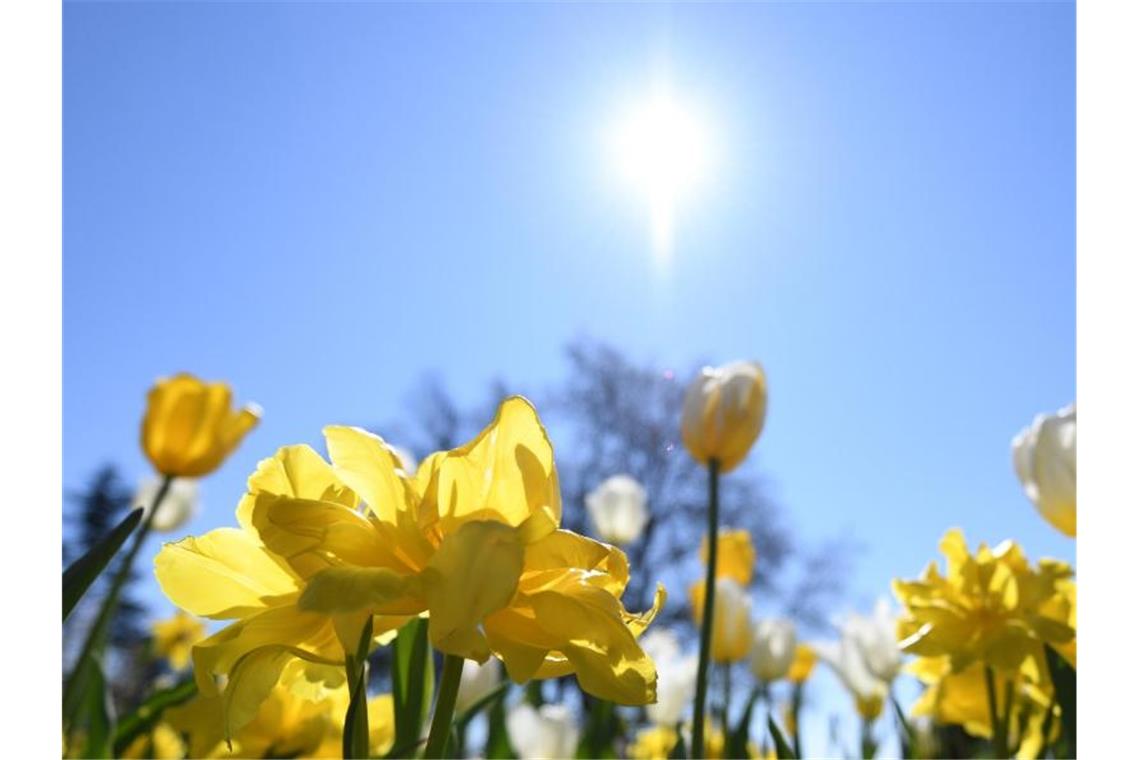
(471, 540)
(993, 611)
(993, 606)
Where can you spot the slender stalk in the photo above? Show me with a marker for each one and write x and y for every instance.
(698, 748)
(725, 673)
(797, 703)
(996, 724)
(444, 706)
(355, 741)
(98, 630)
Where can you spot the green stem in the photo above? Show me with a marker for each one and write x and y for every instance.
(995, 720)
(355, 741)
(98, 630)
(698, 748)
(797, 703)
(725, 671)
(444, 706)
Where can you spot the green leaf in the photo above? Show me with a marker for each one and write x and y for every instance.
(498, 740)
(95, 718)
(413, 681)
(783, 750)
(738, 739)
(149, 713)
(82, 573)
(1064, 694)
(480, 704)
(906, 731)
(679, 751)
(355, 741)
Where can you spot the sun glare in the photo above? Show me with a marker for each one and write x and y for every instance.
(661, 148)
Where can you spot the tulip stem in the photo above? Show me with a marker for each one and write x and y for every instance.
(996, 724)
(444, 706)
(698, 748)
(98, 629)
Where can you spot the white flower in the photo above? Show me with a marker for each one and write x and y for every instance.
(773, 649)
(849, 658)
(676, 677)
(177, 507)
(548, 733)
(732, 622)
(1045, 459)
(476, 682)
(617, 510)
(876, 640)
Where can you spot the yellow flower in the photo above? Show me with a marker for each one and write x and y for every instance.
(174, 637)
(472, 540)
(657, 743)
(723, 413)
(802, 664)
(732, 619)
(160, 743)
(190, 428)
(294, 720)
(735, 555)
(993, 606)
(962, 699)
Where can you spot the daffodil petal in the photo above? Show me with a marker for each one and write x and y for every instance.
(225, 573)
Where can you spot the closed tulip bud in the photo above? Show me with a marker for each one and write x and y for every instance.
(476, 682)
(735, 555)
(1045, 459)
(732, 619)
(190, 427)
(723, 413)
(176, 508)
(802, 664)
(845, 658)
(617, 510)
(773, 649)
(548, 732)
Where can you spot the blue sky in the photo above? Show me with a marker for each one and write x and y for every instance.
(319, 202)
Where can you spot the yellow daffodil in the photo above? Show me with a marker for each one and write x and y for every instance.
(962, 699)
(723, 413)
(735, 555)
(190, 428)
(472, 540)
(732, 619)
(993, 607)
(292, 721)
(174, 637)
(802, 663)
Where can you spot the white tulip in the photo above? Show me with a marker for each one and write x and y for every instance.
(548, 733)
(676, 677)
(617, 510)
(476, 682)
(876, 640)
(732, 622)
(847, 659)
(773, 649)
(178, 505)
(1045, 459)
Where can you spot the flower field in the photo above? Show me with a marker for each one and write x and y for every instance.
(360, 604)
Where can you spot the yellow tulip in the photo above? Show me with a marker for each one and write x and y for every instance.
(472, 539)
(174, 637)
(723, 413)
(190, 428)
(993, 606)
(658, 742)
(802, 664)
(735, 555)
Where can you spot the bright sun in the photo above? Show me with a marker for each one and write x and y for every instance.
(662, 149)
